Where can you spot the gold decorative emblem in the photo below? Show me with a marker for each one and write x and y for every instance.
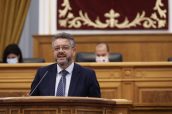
(156, 20)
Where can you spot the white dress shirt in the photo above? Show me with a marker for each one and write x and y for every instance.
(68, 77)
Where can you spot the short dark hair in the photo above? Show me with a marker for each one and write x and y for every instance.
(107, 46)
(64, 35)
(14, 49)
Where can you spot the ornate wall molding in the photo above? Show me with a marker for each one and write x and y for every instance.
(158, 18)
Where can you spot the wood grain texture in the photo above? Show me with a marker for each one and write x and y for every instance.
(135, 81)
(62, 105)
(133, 47)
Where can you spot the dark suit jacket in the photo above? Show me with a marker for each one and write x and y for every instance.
(83, 82)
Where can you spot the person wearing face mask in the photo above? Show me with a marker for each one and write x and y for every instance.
(65, 77)
(102, 52)
(12, 54)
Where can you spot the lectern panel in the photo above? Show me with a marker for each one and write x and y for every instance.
(58, 105)
(109, 93)
(89, 111)
(14, 111)
(65, 110)
(3, 111)
(39, 112)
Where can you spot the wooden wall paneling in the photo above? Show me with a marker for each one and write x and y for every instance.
(110, 82)
(151, 110)
(3, 110)
(15, 79)
(110, 89)
(157, 93)
(153, 85)
(42, 48)
(129, 80)
(133, 47)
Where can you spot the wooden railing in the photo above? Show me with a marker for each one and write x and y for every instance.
(144, 83)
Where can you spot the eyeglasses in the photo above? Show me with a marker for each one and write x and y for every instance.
(63, 48)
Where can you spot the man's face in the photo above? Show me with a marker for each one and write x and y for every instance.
(101, 51)
(63, 52)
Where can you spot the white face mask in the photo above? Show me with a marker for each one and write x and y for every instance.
(102, 59)
(12, 60)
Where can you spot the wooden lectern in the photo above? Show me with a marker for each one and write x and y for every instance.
(62, 105)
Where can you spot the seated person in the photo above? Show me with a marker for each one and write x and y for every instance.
(12, 54)
(102, 52)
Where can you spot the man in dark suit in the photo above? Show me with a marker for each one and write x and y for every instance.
(65, 78)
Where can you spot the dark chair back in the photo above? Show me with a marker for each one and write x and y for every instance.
(115, 57)
(170, 59)
(91, 57)
(85, 57)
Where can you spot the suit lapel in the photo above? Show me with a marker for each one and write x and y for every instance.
(52, 79)
(74, 80)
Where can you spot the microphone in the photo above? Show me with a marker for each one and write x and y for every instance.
(30, 94)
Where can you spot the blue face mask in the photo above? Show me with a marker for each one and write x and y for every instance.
(12, 60)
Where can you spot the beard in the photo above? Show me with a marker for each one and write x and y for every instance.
(63, 61)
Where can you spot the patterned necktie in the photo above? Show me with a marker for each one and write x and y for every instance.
(62, 84)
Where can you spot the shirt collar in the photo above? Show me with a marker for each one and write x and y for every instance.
(69, 68)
